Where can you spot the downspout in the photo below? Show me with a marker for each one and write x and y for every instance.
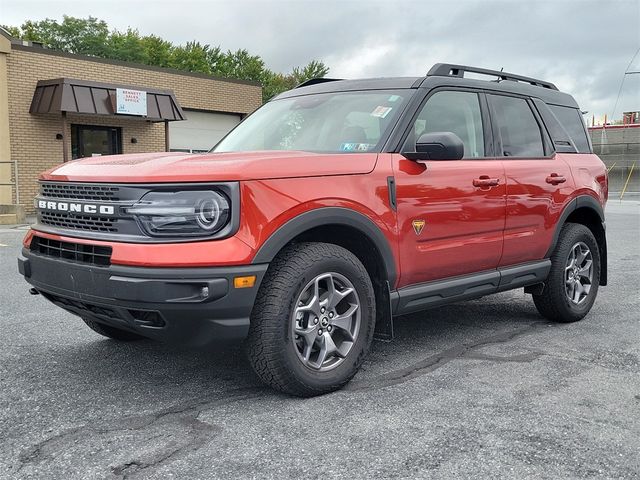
(65, 140)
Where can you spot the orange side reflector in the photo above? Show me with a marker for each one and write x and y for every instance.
(244, 282)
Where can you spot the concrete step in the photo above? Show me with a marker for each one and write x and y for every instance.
(8, 219)
(16, 210)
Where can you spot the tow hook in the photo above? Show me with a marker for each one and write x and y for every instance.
(33, 291)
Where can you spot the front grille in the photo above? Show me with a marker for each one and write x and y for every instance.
(101, 211)
(79, 222)
(80, 192)
(76, 252)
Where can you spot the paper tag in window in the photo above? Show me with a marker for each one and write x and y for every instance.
(381, 111)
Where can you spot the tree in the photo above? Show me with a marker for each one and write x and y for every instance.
(90, 36)
(314, 69)
(156, 50)
(193, 57)
(74, 35)
(239, 64)
(126, 46)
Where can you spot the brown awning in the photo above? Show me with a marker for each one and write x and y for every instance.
(81, 96)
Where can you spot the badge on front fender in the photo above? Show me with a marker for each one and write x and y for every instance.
(418, 226)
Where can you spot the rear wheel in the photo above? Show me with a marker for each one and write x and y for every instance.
(112, 332)
(313, 320)
(573, 281)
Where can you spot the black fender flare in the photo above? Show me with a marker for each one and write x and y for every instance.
(583, 201)
(329, 216)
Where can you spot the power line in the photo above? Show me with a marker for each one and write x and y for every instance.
(626, 72)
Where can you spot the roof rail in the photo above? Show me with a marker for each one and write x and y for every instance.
(315, 81)
(450, 70)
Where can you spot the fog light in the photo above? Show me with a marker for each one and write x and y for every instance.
(244, 282)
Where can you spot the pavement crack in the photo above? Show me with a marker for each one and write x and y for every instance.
(186, 416)
(462, 351)
(199, 438)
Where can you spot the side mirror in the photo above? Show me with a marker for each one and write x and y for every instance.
(437, 146)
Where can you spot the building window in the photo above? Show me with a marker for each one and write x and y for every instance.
(92, 141)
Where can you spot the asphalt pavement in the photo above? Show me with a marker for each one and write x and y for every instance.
(482, 389)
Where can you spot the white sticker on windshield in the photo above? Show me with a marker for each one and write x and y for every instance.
(394, 98)
(381, 111)
(356, 147)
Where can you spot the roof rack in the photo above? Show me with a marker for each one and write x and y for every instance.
(315, 81)
(450, 70)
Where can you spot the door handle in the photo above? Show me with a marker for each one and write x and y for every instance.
(484, 181)
(555, 179)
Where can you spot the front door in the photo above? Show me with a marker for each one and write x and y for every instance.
(91, 140)
(451, 213)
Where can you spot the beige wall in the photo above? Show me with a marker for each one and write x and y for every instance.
(33, 137)
(5, 149)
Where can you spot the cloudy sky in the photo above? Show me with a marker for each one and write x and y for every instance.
(582, 46)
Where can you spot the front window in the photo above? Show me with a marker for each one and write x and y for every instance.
(342, 122)
(455, 112)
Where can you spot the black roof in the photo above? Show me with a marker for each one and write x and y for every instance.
(392, 83)
(443, 75)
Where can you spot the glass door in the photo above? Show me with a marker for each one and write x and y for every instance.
(91, 141)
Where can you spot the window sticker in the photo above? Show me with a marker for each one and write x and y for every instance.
(381, 111)
(394, 98)
(356, 147)
(365, 147)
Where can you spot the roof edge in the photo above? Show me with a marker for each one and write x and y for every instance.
(122, 63)
(91, 83)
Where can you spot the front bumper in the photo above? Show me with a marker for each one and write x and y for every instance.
(192, 306)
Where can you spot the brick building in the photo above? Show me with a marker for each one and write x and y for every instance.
(55, 107)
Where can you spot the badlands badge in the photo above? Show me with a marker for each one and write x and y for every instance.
(418, 226)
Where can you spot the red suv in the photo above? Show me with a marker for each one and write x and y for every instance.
(333, 208)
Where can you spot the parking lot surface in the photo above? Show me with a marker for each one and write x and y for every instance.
(482, 389)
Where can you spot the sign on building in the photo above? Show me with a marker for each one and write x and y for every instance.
(131, 102)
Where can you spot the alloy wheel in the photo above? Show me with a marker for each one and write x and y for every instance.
(578, 273)
(326, 321)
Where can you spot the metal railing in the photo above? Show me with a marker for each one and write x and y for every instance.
(624, 180)
(13, 184)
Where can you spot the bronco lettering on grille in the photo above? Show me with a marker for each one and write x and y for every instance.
(77, 207)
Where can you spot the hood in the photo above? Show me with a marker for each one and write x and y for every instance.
(179, 167)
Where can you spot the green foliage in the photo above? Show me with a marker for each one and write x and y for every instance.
(90, 36)
(191, 57)
(13, 31)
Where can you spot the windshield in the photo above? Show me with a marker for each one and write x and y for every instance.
(340, 122)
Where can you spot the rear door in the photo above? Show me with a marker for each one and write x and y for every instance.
(450, 213)
(539, 182)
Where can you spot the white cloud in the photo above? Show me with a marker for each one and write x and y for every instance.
(583, 46)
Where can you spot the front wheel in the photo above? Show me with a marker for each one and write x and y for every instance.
(313, 320)
(572, 284)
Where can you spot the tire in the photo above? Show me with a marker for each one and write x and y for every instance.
(290, 299)
(111, 332)
(554, 303)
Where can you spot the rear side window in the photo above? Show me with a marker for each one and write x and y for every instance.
(571, 120)
(519, 130)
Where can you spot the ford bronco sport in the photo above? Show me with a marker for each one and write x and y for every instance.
(331, 209)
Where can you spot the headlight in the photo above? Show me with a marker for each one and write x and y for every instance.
(194, 213)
